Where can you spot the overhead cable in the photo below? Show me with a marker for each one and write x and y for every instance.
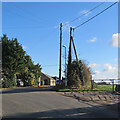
(95, 15)
(86, 13)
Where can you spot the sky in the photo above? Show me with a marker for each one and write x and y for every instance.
(36, 25)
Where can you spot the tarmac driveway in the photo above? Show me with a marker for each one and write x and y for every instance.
(44, 103)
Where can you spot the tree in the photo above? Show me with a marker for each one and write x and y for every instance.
(16, 64)
(37, 72)
(13, 58)
(35, 69)
(80, 75)
(69, 75)
(31, 79)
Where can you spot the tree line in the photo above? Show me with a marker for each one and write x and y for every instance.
(16, 64)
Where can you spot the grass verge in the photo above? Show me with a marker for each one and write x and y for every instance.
(97, 88)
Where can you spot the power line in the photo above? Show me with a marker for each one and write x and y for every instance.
(95, 15)
(51, 65)
(89, 11)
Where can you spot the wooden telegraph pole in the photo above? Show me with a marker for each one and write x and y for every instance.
(71, 38)
(74, 49)
(70, 33)
(60, 53)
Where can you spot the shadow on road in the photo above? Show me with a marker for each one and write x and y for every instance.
(86, 112)
(27, 89)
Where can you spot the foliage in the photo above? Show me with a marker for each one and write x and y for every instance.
(13, 59)
(80, 75)
(37, 72)
(99, 88)
(17, 64)
(31, 79)
(5, 82)
(9, 82)
(69, 75)
(102, 83)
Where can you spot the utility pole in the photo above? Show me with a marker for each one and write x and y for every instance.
(70, 33)
(70, 47)
(60, 53)
(65, 68)
(71, 38)
(74, 49)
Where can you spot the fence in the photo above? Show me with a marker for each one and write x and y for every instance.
(105, 84)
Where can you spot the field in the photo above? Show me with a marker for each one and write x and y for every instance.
(105, 87)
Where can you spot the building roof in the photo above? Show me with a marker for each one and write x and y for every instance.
(47, 76)
(55, 77)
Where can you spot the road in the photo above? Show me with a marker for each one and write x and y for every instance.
(44, 103)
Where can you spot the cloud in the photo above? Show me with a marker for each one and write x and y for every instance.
(97, 72)
(85, 12)
(115, 39)
(108, 71)
(109, 68)
(93, 40)
(93, 65)
(24, 47)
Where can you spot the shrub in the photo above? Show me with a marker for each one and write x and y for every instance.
(79, 75)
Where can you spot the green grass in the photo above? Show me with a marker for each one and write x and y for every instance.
(77, 90)
(97, 88)
(105, 87)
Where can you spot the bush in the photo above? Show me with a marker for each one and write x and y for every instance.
(14, 80)
(9, 81)
(78, 75)
(5, 82)
(102, 83)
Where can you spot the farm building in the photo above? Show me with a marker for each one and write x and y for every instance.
(48, 80)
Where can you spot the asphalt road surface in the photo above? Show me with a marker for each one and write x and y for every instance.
(44, 103)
